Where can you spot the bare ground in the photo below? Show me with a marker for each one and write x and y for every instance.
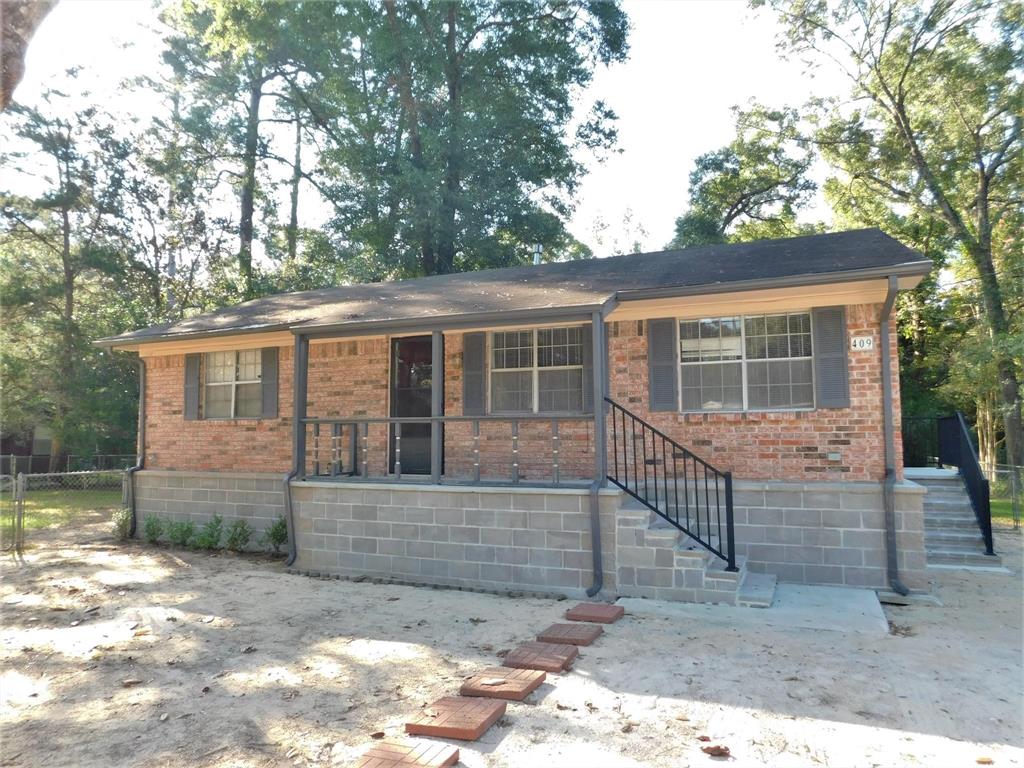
(131, 655)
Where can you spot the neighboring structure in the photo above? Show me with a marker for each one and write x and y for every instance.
(714, 417)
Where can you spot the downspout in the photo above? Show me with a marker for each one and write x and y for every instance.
(140, 448)
(889, 491)
(600, 449)
(299, 380)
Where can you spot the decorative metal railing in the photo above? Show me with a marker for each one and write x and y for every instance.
(956, 449)
(673, 482)
(372, 448)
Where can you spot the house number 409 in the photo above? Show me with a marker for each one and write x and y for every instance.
(862, 343)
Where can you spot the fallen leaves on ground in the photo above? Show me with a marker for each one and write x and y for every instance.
(716, 750)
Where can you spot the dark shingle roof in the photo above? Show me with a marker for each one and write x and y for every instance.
(583, 284)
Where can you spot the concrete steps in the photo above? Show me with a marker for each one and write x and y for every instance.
(657, 560)
(952, 537)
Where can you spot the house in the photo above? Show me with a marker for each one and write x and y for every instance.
(686, 425)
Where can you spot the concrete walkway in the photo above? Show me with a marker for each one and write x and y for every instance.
(796, 606)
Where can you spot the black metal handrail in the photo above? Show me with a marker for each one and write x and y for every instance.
(343, 448)
(956, 449)
(673, 482)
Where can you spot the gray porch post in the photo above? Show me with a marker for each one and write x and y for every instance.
(300, 379)
(436, 404)
(600, 385)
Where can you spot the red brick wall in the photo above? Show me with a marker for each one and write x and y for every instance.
(774, 445)
(350, 378)
(243, 445)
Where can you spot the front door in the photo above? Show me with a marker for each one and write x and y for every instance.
(410, 396)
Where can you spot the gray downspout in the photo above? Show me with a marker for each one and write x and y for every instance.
(140, 449)
(600, 449)
(889, 493)
(299, 382)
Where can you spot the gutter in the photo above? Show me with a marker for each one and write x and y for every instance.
(599, 345)
(889, 491)
(299, 381)
(140, 455)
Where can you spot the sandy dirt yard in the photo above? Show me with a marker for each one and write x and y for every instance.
(130, 655)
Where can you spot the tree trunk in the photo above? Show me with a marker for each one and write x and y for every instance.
(245, 225)
(292, 232)
(1008, 386)
(428, 255)
(66, 364)
(452, 177)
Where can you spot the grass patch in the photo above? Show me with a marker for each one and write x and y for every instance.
(53, 507)
(1002, 509)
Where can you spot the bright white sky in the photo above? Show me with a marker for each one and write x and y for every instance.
(690, 62)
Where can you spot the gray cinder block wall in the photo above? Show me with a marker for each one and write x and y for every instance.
(502, 539)
(829, 533)
(257, 498)
(532, 539)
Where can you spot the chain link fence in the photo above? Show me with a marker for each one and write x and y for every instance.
(33, 502)
(1005, 491)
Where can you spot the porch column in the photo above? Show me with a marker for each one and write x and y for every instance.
(300, 378)
(436, 404)
(600, 379)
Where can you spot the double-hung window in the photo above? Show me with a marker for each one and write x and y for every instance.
(232, 385)
(753, 362)
(537, 371)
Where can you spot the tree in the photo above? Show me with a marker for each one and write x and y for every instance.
(54, 243)
(446, 127)
(934, 127)
(751, 188)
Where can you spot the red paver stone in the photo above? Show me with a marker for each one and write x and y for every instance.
(397, 753)
(571, 634)
(602, 613)
(549, 657)
(456, 717)
(503, 683)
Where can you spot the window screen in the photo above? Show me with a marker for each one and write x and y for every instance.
(233, 387)
(537, 371)
(759, 362)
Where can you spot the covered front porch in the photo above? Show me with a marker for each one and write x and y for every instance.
(430, 418)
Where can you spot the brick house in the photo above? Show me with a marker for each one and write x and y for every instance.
(686, 425)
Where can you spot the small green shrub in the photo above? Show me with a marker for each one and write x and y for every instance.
(153, 528)
(276, 535)
(239, 533)
(180, 532)
(209, 535)
(122, 521)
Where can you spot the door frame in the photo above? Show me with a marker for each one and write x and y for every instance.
(392, 342)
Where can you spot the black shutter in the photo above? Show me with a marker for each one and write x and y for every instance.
(268, 377)
(662, 364)
(831, 377)
(474, 379)
(192, 386)
(587, 338)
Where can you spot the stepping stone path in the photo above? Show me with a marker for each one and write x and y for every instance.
(480, 705)
(600, 613)
(396, 753)
(571, 634)
(503, 683)
(457, 717)
(549, 657)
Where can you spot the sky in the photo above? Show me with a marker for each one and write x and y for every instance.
(691, 61)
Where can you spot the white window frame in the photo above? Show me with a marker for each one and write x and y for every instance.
(743, 364)
(535, 368)
(233, 384)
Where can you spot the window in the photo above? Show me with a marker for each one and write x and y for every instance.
(537, 371)
(232, 387)
(758, 362)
